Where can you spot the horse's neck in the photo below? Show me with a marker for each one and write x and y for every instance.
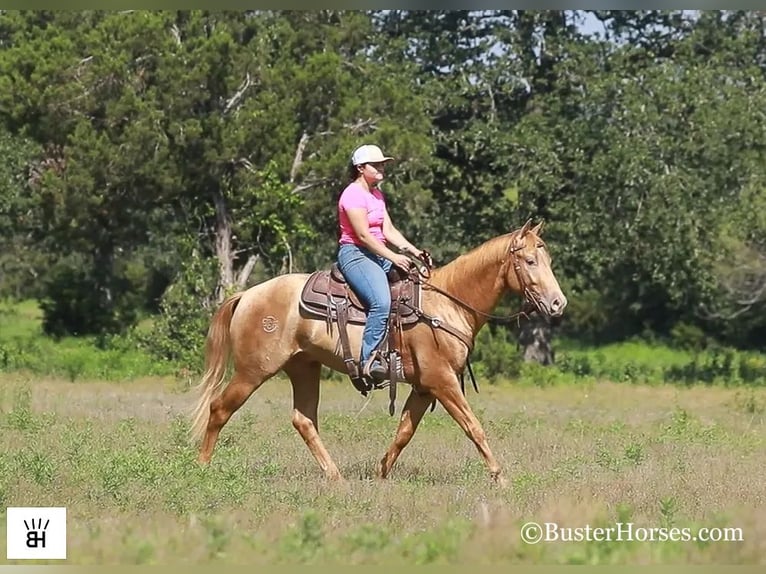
(474, 278)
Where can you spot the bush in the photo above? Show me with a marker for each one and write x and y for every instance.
(687, 336)
(178, 332)
(24, 347)
(81, 299)
(496, 355)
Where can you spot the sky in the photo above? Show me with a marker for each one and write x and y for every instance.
(594, 25)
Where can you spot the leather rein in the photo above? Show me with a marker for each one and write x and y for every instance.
(437, 323)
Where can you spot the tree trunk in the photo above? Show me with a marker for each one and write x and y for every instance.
(228, 277)
(535, 340)
(223, 250)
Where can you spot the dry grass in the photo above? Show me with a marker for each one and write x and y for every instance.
(116, 455)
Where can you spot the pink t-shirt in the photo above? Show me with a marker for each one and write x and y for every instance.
(355, 196)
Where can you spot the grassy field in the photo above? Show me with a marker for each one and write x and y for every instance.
(116, 455)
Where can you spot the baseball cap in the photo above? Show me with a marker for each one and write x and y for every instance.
(368, 154)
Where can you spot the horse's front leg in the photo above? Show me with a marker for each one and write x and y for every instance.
(447, 391)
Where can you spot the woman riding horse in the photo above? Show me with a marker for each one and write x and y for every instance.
(364, 257)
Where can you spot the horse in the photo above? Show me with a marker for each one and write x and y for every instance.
(263, 330)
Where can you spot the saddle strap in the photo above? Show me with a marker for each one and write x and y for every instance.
(437, 323)
(328, 316)
(351, 365)
(393, 327)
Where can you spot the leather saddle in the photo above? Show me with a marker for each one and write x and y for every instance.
(326, 295)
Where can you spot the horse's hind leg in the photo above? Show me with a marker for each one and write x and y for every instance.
(221, 409)
(413, 411)
(304, 375)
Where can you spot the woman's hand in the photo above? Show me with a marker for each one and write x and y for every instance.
(421, 254)
(402, 262)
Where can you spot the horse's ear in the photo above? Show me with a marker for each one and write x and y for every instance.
(538, 229)
(525, 228)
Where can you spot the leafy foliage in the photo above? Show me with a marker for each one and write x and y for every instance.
(129, 134)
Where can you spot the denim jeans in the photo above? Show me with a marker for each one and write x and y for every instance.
(366, 273)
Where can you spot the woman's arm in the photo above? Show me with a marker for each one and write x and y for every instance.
(358, 218)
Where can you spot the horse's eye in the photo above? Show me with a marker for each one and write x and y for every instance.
(530, 261)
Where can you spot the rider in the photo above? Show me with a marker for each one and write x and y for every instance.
(364, 257)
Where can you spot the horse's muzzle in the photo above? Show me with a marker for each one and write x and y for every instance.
(555, 306)
(550, 308)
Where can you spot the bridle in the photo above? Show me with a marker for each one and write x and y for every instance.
(529, 297)
(424, 274)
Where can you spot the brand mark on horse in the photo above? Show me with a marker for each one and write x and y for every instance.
(269, 323)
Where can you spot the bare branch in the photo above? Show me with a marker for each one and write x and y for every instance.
(492, 104)
(289, 257)
(751, 294)
(742, 281)
(361, 126)
(298, 160)
(708, 314)
(247, 269)
(235, 99)
(176, 34)
(353, 66)
(305, 186)
(245, 162)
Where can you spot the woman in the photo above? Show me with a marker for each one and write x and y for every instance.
(364, 257)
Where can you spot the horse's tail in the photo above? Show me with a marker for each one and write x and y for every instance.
(217, 350)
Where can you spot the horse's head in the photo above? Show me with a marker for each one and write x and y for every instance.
(530, 272)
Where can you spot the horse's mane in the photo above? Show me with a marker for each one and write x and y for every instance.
(472, 264)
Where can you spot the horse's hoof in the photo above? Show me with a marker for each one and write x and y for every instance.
(500, 480)
(337, 478)
(341, 484)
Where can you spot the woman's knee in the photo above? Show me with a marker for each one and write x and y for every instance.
(381, 302)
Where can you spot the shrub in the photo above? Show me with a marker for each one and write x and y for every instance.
(178, 332)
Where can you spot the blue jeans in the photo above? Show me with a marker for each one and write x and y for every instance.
(366, 273)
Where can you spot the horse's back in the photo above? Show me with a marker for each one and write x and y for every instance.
(277, 295)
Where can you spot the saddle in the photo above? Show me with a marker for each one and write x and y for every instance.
(327, 295)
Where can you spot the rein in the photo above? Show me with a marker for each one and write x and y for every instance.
(472, 309)
(511, 251)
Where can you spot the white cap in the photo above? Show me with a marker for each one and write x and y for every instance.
(368, 154)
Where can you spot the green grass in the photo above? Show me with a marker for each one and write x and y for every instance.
(496, 359)
(116, 455)
(594, 440)
(652, 363)
(639, 352)
(597, 439)
(20, 319)
(23, 347)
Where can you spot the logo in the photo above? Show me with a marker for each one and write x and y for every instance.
(36, 533)
(269, 323)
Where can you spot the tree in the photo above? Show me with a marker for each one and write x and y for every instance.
(20, 260)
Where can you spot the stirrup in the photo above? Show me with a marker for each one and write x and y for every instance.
(385, 381)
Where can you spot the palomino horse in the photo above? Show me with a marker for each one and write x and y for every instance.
(264, 331)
